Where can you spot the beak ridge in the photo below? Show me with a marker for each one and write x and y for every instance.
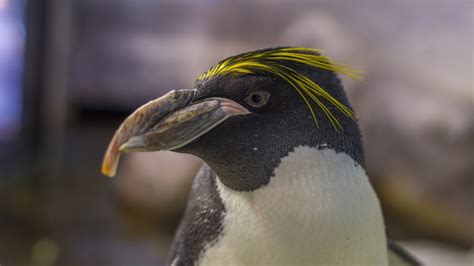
(139, 121)
(168, 123)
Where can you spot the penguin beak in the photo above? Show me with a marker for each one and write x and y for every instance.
(168, 123)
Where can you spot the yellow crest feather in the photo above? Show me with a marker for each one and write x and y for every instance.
(272, 61)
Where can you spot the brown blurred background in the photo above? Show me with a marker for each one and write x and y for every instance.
(71, 70)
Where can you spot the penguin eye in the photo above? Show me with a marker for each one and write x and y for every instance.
(258, 98)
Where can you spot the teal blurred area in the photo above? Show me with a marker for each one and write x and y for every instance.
(72, 70)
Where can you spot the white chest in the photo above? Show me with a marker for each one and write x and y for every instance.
(318, 209)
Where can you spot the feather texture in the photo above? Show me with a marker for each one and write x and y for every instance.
(280, 62)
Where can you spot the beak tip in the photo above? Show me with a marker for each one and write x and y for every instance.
(108, 171)
(112, 155)
(110, 162)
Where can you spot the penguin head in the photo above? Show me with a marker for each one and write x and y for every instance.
(246, 113)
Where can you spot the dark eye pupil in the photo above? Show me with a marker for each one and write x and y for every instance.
(256, 98)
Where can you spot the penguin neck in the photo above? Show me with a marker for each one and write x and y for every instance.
(318, 207)
(248, 163)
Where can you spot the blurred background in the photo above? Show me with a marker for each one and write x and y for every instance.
(71, 70)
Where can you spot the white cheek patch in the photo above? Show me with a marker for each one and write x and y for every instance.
(319, 208)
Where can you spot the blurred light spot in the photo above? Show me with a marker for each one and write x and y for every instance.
(12, 36)
(45, 252)
(3, 4)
